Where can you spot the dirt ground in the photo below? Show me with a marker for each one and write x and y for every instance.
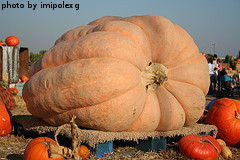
(12, 147)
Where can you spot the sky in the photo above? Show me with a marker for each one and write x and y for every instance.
(207, 21)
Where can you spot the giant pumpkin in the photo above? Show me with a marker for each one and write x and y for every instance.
(140, 73)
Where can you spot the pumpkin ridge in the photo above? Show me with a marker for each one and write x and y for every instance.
(186, 83)
(190, 59)
(48, 60)
(130, 36)
(185, 107)
(77, 107)
(57, 85)
(55, 113)
(68, 114)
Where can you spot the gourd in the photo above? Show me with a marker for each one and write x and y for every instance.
(226, 152)
(12, 41)
(225, 115)
(37, 149)
(221, 142)
(140, 73)
(199, 147)
(6, 120)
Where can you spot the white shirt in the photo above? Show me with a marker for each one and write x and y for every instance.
(211, 68)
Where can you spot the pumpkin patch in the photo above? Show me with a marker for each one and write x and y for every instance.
(140, 73)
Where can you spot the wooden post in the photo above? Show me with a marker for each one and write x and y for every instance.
(23, 64)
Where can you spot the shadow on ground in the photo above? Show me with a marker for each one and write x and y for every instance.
(14, 157)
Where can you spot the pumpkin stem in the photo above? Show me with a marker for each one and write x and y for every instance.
(204, 140)
(237, 114)
(154, 75)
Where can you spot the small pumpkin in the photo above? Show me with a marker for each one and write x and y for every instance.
(14, 91)
(37, 149)
(12, 41)
(225, 115)
(140, 73)
(238, 60)
(83, 152)
(6, 120)
(24, 78)
(199, 147)
(2, 43)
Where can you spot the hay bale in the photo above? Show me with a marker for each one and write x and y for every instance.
(20, 103)
(225, 65)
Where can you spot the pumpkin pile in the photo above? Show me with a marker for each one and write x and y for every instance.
(225, 115)
(140, 73)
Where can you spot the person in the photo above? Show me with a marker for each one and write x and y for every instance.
(215, 58)
(219, 63)
(211, 67)
(215, 75)
(227, 81)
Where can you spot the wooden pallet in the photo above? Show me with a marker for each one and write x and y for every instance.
(101, 142)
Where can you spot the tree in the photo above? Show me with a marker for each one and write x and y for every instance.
(228, 59)
(42, 52)
(36, 56)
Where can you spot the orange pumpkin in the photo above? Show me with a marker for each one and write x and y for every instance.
(199, 147)
(83, 152)
(225, 115)
(14, 91)
(24, 78)
(6, 120)
(2, 43)
(12, 41)
(140, 73)
(37, 149)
